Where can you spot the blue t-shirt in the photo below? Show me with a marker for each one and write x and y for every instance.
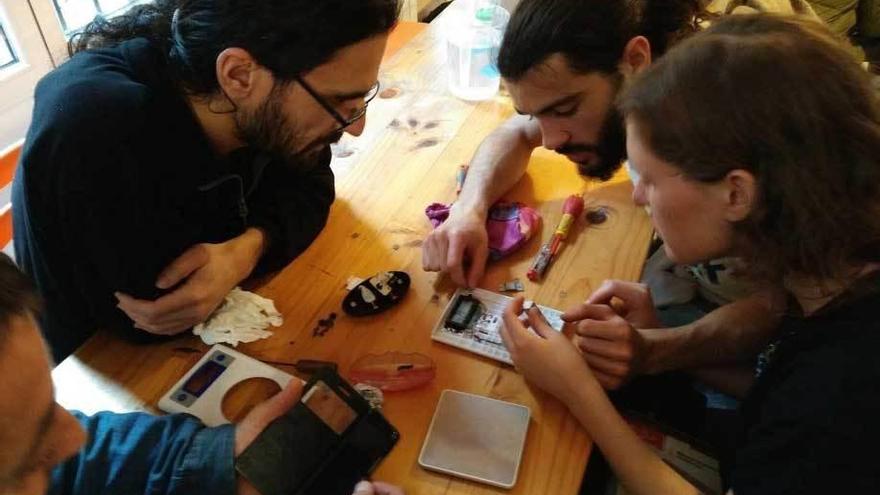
(138, 453)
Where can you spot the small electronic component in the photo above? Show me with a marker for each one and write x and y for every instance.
(463, 312)
(487, 328)
(324, 326)
(514, 285)
(373, 394)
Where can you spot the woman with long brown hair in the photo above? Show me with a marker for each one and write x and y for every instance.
(758, 138)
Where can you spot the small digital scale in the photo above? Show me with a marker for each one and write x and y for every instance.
(473, 319)
(476, 438)
(201, 390)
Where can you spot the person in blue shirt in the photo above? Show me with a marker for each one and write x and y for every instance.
(47, 449)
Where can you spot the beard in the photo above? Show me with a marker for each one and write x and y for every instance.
(611, 147)
(269, 130)
(610, 151)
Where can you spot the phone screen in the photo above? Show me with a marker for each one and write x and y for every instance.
(329, 406)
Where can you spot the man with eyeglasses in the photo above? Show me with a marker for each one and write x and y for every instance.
(183, 148)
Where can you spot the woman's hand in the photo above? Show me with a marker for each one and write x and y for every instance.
(544, 356)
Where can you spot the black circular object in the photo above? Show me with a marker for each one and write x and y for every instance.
(376, 294)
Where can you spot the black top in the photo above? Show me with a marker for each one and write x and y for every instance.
(813, 416)
(117, 179)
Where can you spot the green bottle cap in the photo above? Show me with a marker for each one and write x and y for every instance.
(486, 14)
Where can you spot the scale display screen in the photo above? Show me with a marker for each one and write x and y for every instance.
(203, 378)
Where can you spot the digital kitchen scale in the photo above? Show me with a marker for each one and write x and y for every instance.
(201, 390)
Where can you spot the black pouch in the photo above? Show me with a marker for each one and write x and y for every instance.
(328, 442)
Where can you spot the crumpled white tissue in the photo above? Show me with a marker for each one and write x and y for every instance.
(242, 317)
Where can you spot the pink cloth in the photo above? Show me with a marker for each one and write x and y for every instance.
(509, 225)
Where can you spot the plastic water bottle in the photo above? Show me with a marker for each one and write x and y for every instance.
(473, 40)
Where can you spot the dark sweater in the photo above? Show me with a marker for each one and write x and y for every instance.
(812, 416)
(117, 179)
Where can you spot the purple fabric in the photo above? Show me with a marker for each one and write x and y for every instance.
(437, 213)
(509, 225)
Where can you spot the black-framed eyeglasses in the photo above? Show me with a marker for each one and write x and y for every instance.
(343, 122)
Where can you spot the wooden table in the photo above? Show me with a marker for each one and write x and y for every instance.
(406, 158)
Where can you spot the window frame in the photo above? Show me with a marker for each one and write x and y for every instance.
(17, 81)
(35, 31)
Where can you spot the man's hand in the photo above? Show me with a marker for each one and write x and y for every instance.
(461, 238)
(264, 414)
(376, 488)
(606, 330)
(258, 419)
(209, 272)
(630, 300)
(260, 416)
(615, 351)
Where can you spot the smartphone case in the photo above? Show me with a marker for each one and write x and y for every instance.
(301, 454)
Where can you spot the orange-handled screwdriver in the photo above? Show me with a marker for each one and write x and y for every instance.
(571, 209)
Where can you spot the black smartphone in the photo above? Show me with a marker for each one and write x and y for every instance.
(328, 442)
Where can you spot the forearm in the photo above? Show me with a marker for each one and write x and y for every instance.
(249, 247)
(730, 334)
(636, 466)
(498, 164)
(163, 455)
(733, 380)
